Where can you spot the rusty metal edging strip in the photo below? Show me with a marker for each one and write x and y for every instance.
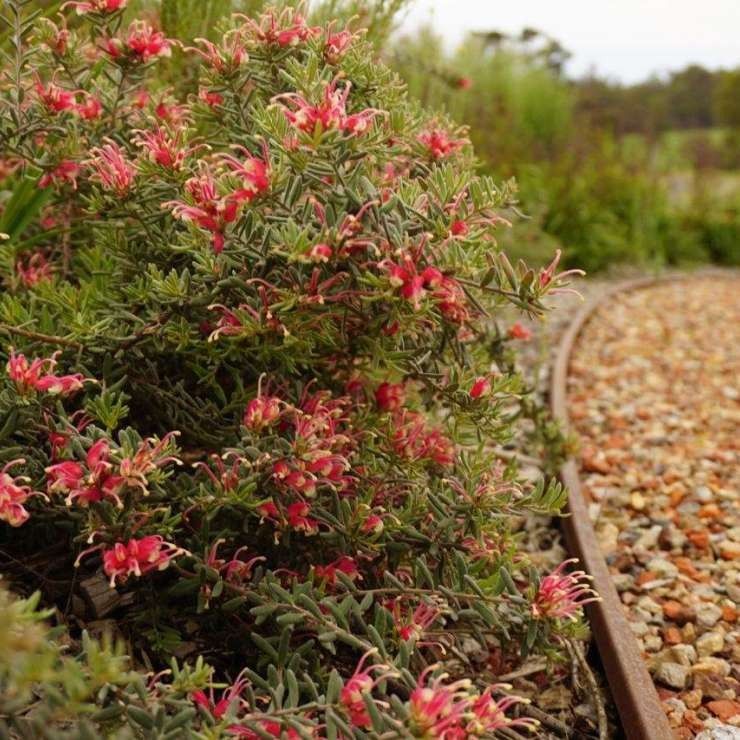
(634, 693)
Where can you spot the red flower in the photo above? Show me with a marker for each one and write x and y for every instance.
(464, 83)
(151, 455)
(519, 331)
(210, 97)
(458, 228)
(163, 147)
(439, 144)
(54, 98)
(480, 388)
(112, 169)
(261, 412)
(13, 494)
(359, 685)
(210, 211)
(37, 376)
(337, 43)
(227, 58)
(562, 595)
(138, 557)
(231, 698)
(287, 29)
(140, 44)
(253, 174)
(91, 107)
(66, 171)
(96, 6)
(35, 271)
(300, 521)
(438, 710)
(92, 482)
(344, 564)
(330, 113)
(413, 625)
(489, 713)
(390, 396)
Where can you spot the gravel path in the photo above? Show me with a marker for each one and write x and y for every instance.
(654, 395)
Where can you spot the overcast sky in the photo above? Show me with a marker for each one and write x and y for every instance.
(623, 39)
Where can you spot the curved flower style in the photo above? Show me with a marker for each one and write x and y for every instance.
(563, 595)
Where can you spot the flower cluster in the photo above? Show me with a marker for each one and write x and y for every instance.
(451, 711)
(37, 375)
(138, 557)
(13, 494)
(56, 99)
(329, 114)
(139, 45)
(215, 201)
(101, 477)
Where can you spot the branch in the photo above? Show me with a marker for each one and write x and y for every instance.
(46, 338)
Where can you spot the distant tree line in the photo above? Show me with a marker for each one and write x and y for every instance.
(692, 98)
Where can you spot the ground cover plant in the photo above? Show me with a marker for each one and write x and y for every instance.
(253, 374)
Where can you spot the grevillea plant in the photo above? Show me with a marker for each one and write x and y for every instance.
(254, 379)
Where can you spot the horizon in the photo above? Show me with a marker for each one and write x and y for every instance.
(602, 36)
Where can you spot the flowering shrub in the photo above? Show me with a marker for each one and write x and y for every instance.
(253, 376)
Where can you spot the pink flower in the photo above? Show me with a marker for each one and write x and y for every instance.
(163, 147)
(210, 97)
(227, 58)
(66, 171)
(337, 43)
(519, 331)
(209, 210)
(253, 174)
(287, 29)
(563, 595)
(276, 729)
(438, 710)
(464, 83)
(489, 713)
(231, 698)
(111, 168)
(261, 412)
(413, 625)
(13, 494)
(54, 98)
(414, 441)
(390, 396)
(35, 271)
(91, 107)
(480, 388)
(151, 455)
(300, 521)
(92, 482)
(138, 557)
(360, 684)
(37, 375)
(140, 44)
(547, 276)
(320, 253)
(373, 524)
(96, 6)
(330, 113)
(439, 144)
(458, 228)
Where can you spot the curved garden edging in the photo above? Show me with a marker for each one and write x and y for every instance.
(634, 693)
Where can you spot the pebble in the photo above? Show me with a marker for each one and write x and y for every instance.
(674, 675)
